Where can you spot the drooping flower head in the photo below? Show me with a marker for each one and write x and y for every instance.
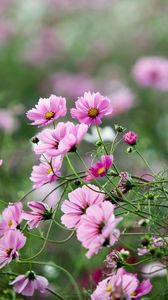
(97, 227)
(11, 217)
(77, 203)
(91, 108)
(64, 138)
(28, 283)
(130, 138)
(122, 285)
(10, 243)
(47, 110)
(152, 72)
(46, 171)
(40, 212)
(99, 169)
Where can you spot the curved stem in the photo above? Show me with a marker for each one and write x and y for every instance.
(55, 294)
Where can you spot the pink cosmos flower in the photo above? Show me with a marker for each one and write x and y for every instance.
(11, 217)
(10, 243)
(46, 172)
(77, 203)
(47, 110)
(28, 283)
(91, 108)
(97, 227)
(99, 169)
(122, 285)
(40, 212)
(130, 138)
(152, 72)
(64, 138)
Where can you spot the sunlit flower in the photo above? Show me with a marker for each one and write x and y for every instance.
(47, 110)
(99, 169)
(28, 283)
(77, 203)
(91, 108)
(10, 243)
(97, 227)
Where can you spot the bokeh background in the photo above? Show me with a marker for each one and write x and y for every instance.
(66, 47)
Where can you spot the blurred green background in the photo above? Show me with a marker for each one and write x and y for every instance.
(67, 47)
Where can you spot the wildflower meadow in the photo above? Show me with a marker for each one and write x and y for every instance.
(83, 150)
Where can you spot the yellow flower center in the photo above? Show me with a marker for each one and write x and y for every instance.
(133, 294)
(10, 223)
(101, 170)
(49, 171)
(8, 251)
(49, 115)
(109, 288)
(93, 112)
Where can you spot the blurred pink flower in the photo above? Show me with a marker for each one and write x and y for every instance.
(6, 32)
(8, 123)
(97, 227)
(40, 212)
(43, 47)
(91, 108)
(27, 284)
(122, 285)
(99, 169)
(10, 243)
(47, 110)
(46, 172)
(79, 200)
(152, 72)
(11, 217)
(1, 162)
(122, 101)
(71, 85)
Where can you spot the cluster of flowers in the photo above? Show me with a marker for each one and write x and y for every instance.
(11, 241)
(87, 209)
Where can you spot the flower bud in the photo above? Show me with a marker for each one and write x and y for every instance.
(130, 138)
(99, 143)
(130, 150)
(119, 128)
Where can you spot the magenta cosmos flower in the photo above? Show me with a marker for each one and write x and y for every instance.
(10, 243)
(11, 217)
(64, 138)
(47, 110)
(77, 203)
(28, 283)
(152, 72)
(46, 172)
(91, 108)
(130, 138)
(99, 169)
(97, 227)
(40, 212)
(122, 285)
